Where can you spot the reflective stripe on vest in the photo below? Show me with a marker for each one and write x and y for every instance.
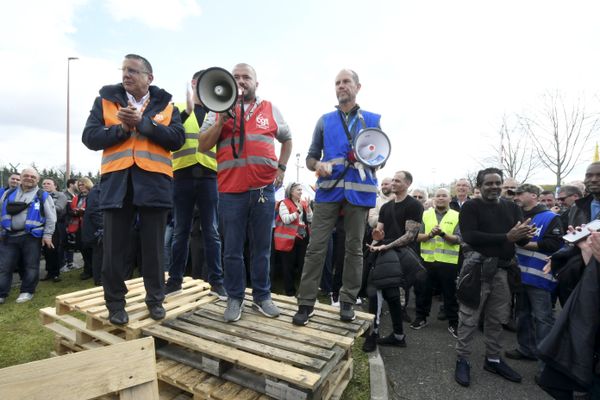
(437, 249)
(335, 150)
(285, 235)
(188, 154)
(256, 165)
(137, 149)
(34, 222)
(532, 263)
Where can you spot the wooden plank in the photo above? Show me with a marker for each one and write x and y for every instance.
(279, 370)
(261, 327)
(250, 315)
(78, 325)
(227, 391)
(248, 345)
(148, 390)
(114, 367)
(260, 335)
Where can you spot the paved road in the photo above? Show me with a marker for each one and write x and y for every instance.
(424, 370)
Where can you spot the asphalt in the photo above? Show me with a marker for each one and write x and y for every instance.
(424, 370)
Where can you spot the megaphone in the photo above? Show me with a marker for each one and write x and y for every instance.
(372, 147)
(217, 90)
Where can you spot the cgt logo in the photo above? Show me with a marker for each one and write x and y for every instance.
(262, 122)
(159, 117)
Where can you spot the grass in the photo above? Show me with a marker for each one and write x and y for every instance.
(23, 338)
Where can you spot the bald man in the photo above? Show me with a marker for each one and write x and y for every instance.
(28, 221)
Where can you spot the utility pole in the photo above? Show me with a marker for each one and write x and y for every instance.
(68, 167)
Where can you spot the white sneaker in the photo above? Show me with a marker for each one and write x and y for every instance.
(23, 297)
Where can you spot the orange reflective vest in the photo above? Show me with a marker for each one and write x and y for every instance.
(137, 149)
(256, 166)
(285, 234)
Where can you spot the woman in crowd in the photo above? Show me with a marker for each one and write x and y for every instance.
(74, 228)
(294, 216)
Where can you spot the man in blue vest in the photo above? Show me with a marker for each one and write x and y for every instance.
(534, 304)
(28, 220)
(339, 188)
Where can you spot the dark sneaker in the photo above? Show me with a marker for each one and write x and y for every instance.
(370, 343)
(453, 329)
(501, 368)
(462, 373)
(172, 289)
(391, 340)
(219, 291)
(267, 308)
(517, 355)
(419, 323)
(84, 276)
(346, 312)
(233, 311)
(302, 315)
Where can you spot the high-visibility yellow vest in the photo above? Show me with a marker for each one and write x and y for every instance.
(188, 154)
(437, 249)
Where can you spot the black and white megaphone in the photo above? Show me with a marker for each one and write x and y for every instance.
(372, 147)
(217, 90)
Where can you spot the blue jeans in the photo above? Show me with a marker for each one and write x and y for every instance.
(534, 318)
(28, 248)
(243, 216)
(201, 192)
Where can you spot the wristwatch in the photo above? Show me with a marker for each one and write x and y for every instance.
(442, 234)
(282, 167)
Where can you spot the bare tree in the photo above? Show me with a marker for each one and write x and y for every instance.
(514, 152)
(560, 132)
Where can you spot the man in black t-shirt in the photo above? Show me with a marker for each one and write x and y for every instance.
(490, 227)
(398, 226)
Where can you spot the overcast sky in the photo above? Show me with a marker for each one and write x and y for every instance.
(441, 73)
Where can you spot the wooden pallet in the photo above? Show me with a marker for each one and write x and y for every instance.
(270, 356)
(91, 304)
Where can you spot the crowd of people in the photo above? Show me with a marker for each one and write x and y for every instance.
(494, 253)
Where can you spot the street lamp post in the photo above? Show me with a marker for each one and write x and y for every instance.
(68, 168)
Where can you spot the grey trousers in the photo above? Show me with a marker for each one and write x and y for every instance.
(495, 303)
(324, 218)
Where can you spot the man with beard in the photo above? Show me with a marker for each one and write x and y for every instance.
(340, 189)
(490, 227)
(587, 208)
(248, 172)
(398, 226)
(534, 303)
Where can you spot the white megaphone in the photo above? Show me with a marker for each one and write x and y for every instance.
(217, 90)
(372, 147)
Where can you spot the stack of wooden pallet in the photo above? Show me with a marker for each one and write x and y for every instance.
(201, 357)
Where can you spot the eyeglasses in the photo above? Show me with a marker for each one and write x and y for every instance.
(418, 197)
(563, 198)
(132, 72)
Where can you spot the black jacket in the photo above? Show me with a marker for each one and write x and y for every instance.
(92, 219)
(143, 187)
(579, 214)
(571, 345)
